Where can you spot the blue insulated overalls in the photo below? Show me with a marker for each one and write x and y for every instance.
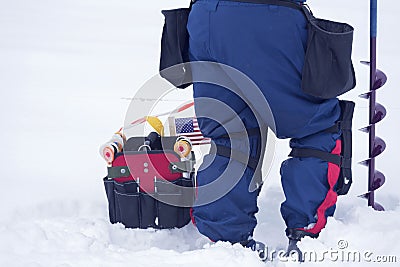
(267, 43)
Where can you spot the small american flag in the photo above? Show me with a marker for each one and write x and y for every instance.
(189, 128)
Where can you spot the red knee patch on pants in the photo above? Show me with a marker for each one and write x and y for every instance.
(331, 196)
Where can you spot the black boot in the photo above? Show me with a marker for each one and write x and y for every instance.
(256, 246)
(293, 248)
(298, 234)
(295, 235)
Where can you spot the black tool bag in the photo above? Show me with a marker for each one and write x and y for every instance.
(175, 48)
(343, 125)
(328, 70)
(150, 188)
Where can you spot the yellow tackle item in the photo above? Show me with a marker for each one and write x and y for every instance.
(156, 124)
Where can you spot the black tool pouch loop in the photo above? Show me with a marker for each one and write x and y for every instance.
(345, 124)
(174, 60)
(328, 70)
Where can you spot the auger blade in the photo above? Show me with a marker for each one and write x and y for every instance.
(380, 113)
(378, 207)
(379, 147)
(376, 113)
(377, 181)
(380, 80)
(365, 162)
(366, 95)
(366, 129)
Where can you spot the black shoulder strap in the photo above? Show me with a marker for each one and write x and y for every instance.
(286, 3)
(299, 6)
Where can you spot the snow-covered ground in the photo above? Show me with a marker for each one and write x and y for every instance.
(65, 66)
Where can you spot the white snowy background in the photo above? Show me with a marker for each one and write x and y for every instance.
(65, 66)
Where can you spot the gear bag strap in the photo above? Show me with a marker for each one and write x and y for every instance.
(343, 125)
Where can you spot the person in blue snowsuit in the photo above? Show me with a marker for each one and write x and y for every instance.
(267, 43)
